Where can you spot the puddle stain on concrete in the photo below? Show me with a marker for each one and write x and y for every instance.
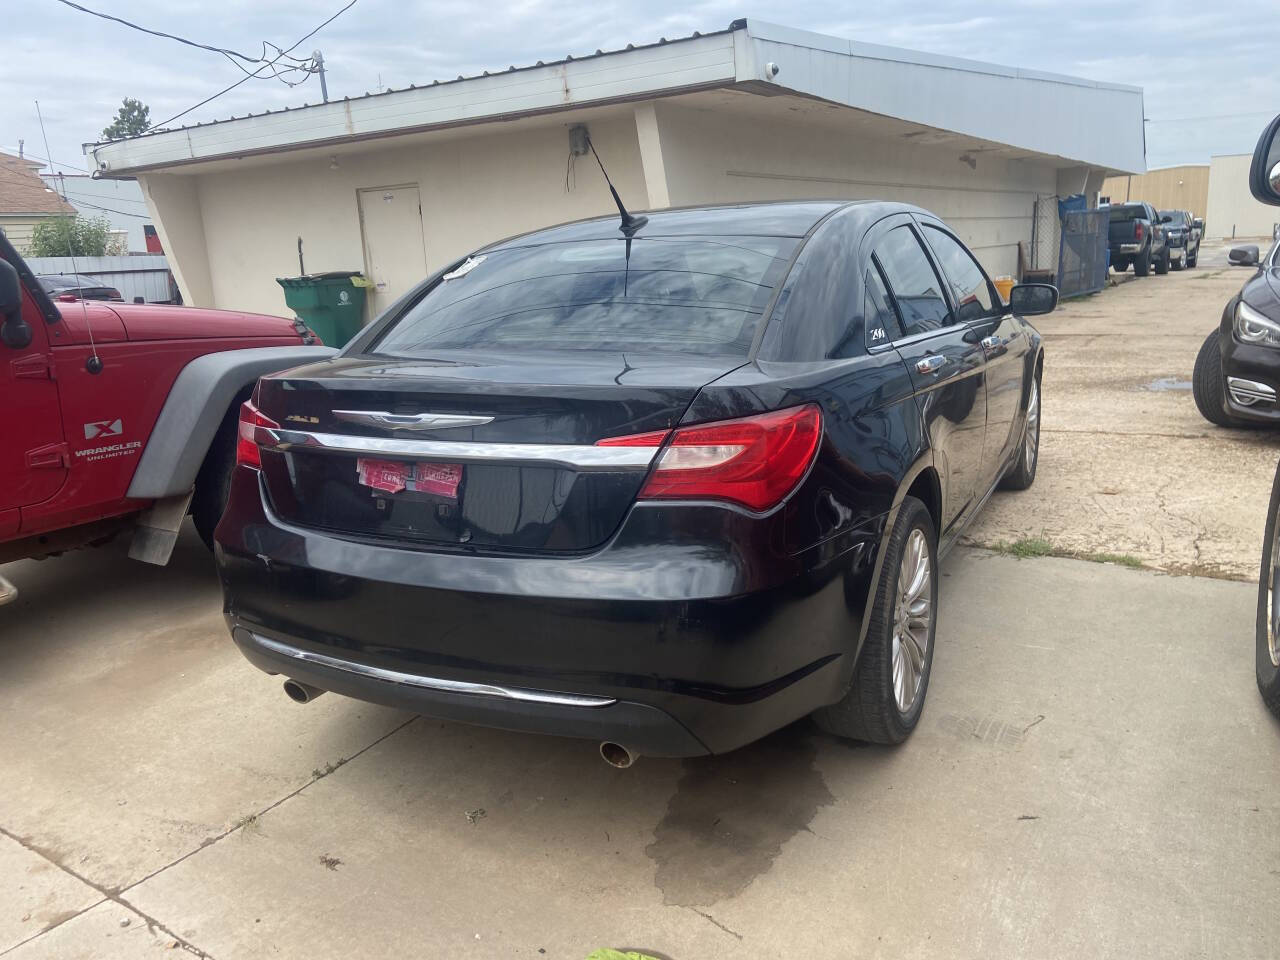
(1164, 384)
(730, 816)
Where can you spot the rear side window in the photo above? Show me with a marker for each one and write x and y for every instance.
(881, 321)
(1121, 214)
(968, 283)
(914, 284)
(700, 295)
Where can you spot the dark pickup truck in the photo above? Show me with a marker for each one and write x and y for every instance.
(1137, 236)
(1184, 238)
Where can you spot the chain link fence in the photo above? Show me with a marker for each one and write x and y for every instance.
(1045, 230)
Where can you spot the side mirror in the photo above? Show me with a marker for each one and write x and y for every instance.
(1033, 299)
(15, 332)
(1264, 171)
(1243, 256)
(1198, 223)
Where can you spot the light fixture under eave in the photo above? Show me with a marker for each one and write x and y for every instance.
(333, 163)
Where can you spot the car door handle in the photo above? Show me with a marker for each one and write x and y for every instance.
(992, 342)
(931, 364)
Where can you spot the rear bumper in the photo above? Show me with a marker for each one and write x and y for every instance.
(686, 646)
(1126, 248)
(641, 727)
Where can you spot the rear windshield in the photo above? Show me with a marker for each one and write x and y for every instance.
(668, 294)
(1175, 214)
(1128, 213)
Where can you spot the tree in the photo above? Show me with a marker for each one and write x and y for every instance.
(70, 237)
(132, 118)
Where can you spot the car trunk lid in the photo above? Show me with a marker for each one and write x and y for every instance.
(469, 451)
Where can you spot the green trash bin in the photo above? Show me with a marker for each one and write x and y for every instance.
(331, 304)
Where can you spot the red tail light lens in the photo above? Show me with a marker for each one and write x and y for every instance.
(755, 462)
(1137, 231)
(247, 452)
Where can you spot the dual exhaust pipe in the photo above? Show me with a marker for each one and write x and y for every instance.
(614, 754)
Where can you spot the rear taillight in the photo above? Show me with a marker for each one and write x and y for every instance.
(1137, 231)
(247, 453)
(755, 461)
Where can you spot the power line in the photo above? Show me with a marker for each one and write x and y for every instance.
(224, 51)
(243, 79)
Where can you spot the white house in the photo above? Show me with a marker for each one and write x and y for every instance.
(120, 201)
(402, 182)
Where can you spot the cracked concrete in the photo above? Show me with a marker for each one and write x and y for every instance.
(1133, 469)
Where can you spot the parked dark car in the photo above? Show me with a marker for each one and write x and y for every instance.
(1183, 238)
(669, 489)
(1136, 236)
(1237, 371)
(1263, 315)
(77, 286)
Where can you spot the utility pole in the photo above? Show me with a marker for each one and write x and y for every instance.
(21, 144)
(318, 59)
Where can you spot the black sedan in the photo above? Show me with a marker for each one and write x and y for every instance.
(77, 286)
(1237, 370)
(669, 487)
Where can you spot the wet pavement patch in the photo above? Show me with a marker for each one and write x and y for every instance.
(1168, 383)
(731, 814)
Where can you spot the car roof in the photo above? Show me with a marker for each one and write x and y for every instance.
(72, 280)
(793, 218)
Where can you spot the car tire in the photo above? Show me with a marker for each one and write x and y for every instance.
(1142, 263)
(1192, 258)
(1180, 263)
(872, 708)
(1120, 266)
(1206, 384)
(1267, 632)
(213, 482)
(1023, 472)
(1162, 265)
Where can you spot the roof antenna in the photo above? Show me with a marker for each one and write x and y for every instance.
(630, 224)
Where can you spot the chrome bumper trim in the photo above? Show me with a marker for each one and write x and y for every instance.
(431, 683)
(575, 456)
(1248, 392)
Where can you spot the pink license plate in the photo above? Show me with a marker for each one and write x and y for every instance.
(392, 476)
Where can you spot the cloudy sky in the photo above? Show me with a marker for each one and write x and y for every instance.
(1210, 70)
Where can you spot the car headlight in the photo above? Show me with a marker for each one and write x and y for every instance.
(1253, 327)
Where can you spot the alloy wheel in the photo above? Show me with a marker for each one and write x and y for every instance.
(1032, 437)
(912, 620)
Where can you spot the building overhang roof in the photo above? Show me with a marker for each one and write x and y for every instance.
(1073, 120)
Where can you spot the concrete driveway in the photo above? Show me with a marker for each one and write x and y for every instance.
(1128, 466)
(1094, 774)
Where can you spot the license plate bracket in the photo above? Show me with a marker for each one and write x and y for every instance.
(397, 476)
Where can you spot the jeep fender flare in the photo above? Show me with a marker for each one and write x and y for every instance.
(194, 408)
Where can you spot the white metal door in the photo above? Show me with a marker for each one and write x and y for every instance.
(395, 256)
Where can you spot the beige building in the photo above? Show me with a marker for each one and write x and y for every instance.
(401, 183)
(25, 200)
(1233, 212)
(1168, 188)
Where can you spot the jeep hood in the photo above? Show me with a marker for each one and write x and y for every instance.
(153, 321)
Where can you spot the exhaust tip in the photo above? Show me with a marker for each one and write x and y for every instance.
(300, 692)
(616, 755)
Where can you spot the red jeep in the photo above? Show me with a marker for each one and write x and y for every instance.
(121, 416)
